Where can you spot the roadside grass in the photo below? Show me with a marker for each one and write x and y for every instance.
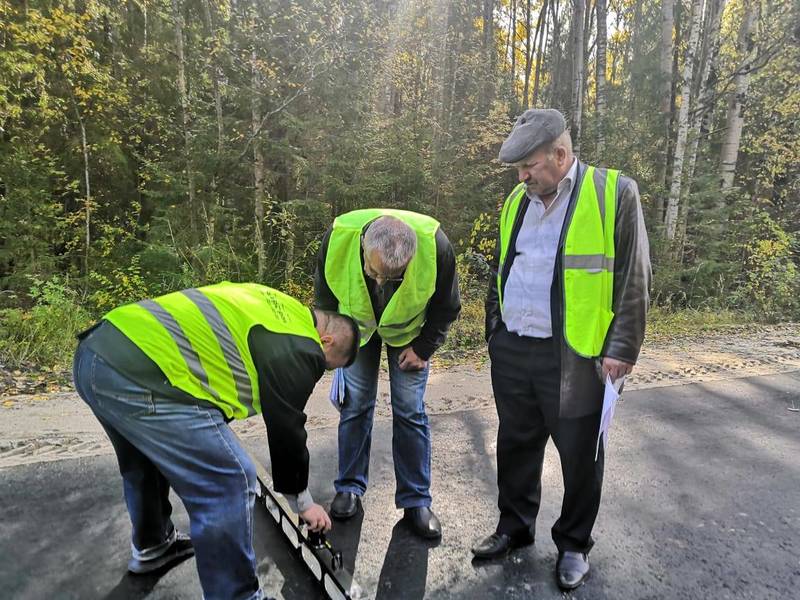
(37, 343)
(465, 342)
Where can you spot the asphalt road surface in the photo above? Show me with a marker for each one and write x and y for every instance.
(701, 500)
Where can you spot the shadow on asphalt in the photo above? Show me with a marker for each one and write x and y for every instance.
(701, 497)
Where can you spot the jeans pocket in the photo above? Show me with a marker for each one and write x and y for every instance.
(134, 403)
(117, 394)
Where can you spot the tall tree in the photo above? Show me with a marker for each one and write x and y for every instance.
(600, 76)
(177, 16)
(671, 217)
(665, 71)
(734, 122)
(578, 70)
(528, 57)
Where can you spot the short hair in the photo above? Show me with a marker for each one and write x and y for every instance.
(345, 326)
(394, 241)
(564, 140)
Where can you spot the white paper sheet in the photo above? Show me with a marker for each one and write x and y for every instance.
(610, 397)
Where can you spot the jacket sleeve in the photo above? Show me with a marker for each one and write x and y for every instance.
(445, 304)
(632, 276)
(288, 368)
(492, 304)
(323, 296)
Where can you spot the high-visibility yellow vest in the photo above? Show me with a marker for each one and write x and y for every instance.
(198, 338)
(588, 259)
(404, 315)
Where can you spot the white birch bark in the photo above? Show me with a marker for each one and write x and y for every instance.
(600, 76)
(673, 202)
(667, 26)
(577, 71)
(735, 118)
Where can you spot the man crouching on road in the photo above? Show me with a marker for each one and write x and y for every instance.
(165, 376)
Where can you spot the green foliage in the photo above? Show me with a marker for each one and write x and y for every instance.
(121, 286)
(770, 280)
(45, 333)
(358, 104)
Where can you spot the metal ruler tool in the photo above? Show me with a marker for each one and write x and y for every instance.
(321, 558)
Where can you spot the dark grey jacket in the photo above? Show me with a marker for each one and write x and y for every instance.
(581, 388)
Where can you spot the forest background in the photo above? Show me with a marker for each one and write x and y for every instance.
(152, 145)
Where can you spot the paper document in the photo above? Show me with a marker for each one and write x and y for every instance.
(610, 397)
(337, 389)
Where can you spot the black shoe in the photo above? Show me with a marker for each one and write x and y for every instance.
(423, 522)
(180, 550)
(572, 569)
(500, 544)
(344, 505)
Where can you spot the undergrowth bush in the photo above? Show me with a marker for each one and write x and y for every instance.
(45, 333)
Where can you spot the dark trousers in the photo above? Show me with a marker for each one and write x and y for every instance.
(525, 380)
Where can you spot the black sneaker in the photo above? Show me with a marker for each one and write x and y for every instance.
(180, 550)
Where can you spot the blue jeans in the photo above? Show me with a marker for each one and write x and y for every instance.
(161, 444)
(411, 433)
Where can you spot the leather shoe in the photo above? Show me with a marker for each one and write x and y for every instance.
(423, 522)
(344, 505)
(499, 544)
(572, 568)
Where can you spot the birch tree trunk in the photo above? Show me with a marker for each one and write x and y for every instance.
(187, 135)
(258, 169)
(538, 54)
(87, 204)
(543, 21)
(741, 82)
(707, 82)
(528, 56)
(702, 108)
(214, 74)
(671, 217)
(489, 53)
(555, 53)
(600, 76)
(577, 71)
(667, 25)
(512, 38)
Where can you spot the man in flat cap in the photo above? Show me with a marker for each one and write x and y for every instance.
(565, 311)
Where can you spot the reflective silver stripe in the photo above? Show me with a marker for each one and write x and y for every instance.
(400, 325)
(368, 324)
(188, 352)
(598, 262)
(600, 187)
(225, 338)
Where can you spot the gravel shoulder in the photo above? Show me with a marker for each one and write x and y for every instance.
(54, 426)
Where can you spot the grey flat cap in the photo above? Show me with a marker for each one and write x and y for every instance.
(536, 126)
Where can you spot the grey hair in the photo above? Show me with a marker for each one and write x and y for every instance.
(394, 241)
(563, 141)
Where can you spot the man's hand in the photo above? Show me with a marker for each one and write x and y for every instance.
(615, 368)
(409, 361)
(316, 518)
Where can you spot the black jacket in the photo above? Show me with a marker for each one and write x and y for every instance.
(581, 388)
(443, 308)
